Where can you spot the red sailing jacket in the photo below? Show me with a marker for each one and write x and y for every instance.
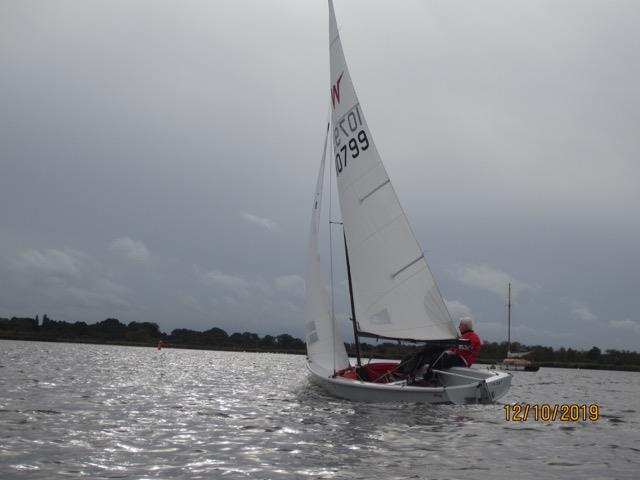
(469, 352)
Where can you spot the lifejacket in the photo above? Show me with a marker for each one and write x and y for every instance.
(470, 352)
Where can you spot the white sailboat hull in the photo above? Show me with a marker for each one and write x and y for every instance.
(461, 386)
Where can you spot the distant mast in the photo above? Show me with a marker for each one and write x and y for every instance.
(509, 322)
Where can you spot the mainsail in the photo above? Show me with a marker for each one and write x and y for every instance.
(394, 292)
(324, 345)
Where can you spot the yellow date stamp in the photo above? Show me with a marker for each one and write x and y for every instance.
(545, 412)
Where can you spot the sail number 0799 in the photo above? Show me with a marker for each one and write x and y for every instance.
(355, 145)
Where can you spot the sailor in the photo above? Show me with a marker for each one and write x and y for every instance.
(464, 355)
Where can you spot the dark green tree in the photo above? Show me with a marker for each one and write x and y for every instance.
(594, 354)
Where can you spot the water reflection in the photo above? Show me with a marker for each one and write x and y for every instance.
(97, 411)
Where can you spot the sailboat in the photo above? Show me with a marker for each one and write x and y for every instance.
(515, 360)
(392, 291)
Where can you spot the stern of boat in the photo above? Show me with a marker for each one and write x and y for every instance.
(467, 385)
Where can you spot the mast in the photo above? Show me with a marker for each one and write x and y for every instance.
(509, 322)
(353, 310)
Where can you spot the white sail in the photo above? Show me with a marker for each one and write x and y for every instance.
(394, 292)
(324, 345)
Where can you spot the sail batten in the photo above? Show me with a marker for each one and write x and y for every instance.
(394, 293)
(394, 275)
(386, 182)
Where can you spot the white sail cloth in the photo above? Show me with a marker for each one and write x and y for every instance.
(324, 346)
(394, 292)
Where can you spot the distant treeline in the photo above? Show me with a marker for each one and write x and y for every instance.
(565, 357)
(112, 330)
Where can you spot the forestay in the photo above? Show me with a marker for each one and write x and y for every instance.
(394, 292)
(324, 347)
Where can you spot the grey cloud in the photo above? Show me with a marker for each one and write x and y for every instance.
(132, 249)
(291, 283)
(260, 221)
(65, 282)
(626, 324)
(457, 309)
(582, 312)
(218, 278)
(50, 262)
(491, 279)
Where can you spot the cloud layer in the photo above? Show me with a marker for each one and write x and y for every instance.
(259, 221)
(159, 164)
(492, 280)
(132, 249)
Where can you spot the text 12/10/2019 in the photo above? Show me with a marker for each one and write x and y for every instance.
(544, 412)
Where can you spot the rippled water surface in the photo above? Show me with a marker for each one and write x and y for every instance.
(98, 411)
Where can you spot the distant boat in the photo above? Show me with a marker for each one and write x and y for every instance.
(515, 361)
(392, 291)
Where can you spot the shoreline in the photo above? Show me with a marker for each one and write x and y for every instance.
(119, 343)
(231, 348)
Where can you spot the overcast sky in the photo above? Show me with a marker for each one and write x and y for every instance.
(158, 159)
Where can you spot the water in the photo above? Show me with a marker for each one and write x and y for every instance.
(98, 411)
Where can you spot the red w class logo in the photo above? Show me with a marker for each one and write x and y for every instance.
(335, 91)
